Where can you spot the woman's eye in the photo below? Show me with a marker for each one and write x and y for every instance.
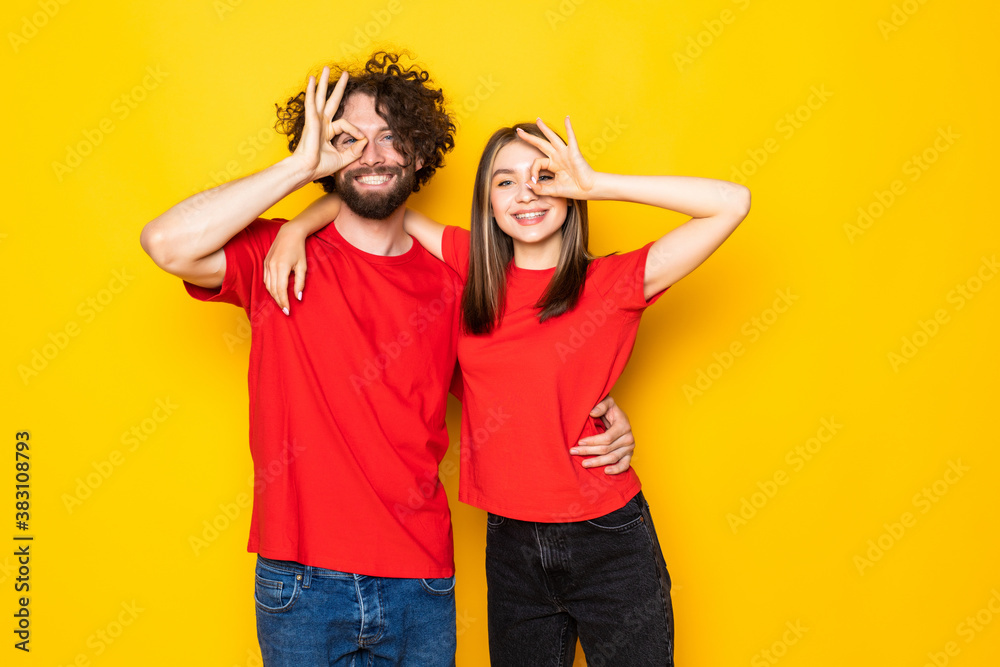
(545, 177)
(504, 182)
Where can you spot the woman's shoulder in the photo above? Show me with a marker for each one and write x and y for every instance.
(619, 272)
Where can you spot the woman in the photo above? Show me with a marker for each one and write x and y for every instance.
(570, 551)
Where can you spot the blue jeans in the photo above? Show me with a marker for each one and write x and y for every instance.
(310, 616)
(603, 580)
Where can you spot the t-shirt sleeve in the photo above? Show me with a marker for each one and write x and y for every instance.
(455, 249)
(245, 255)
(621, 278)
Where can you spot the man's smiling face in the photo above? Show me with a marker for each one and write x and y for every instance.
(381, 180)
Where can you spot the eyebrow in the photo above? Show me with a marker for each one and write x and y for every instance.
(502, 171)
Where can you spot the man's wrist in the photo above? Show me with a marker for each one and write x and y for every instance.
(300, 173)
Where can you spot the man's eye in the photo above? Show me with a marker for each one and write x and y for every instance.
(347, 140)
(387, 137)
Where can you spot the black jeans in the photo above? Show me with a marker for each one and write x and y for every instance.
(603, 580)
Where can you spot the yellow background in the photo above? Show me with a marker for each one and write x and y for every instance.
(821, 108)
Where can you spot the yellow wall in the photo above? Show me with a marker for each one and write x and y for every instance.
(837, 475)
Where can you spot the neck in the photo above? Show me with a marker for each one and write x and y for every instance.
(541, 255)
(377, 237)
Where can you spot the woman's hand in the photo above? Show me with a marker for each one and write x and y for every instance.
(286, 255)
(572, 177)
(318, 150)
(612, 449)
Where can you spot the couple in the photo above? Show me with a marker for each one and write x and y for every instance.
(348, 393)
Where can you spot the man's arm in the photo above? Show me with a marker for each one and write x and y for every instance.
(187, 239)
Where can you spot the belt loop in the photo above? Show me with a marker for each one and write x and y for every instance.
(307, 576)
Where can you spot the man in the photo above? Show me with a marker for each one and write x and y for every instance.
(347, 399)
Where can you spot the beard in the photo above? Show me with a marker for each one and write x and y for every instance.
(375, 205)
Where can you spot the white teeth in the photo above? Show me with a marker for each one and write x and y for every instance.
(529, 216)
(373, 180)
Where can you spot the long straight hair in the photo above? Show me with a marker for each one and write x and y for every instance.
(492, 251)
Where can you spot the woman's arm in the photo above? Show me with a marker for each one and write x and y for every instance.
(288, 252)
(716, 207)
(427, 232)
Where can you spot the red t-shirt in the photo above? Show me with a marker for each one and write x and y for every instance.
(347, 405)
(529, 388)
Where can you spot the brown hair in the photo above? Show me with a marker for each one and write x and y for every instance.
(492, 251)
(404, 96)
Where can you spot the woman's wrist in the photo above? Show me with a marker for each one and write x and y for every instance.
(296, 228)
(605, 187)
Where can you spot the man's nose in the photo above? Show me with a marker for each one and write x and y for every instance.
(372, 154)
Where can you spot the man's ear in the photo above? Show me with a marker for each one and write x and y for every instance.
(419, 164)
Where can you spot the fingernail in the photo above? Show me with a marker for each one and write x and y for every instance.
(534, 180)
(285, 311)
(299, 296)
(574, 451)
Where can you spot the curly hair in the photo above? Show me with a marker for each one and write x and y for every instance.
(404, 96)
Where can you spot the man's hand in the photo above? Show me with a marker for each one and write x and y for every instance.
(318, 150)
(614, 447)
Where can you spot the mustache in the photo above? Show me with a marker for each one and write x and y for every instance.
(372, 171)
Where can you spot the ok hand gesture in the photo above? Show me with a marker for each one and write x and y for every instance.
(572, 176)
(319, 149)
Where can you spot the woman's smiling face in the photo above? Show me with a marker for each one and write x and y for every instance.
(523, 215)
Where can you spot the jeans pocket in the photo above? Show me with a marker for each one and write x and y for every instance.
(444, 586)
(494, 520)
(275, 591)
(623, 519)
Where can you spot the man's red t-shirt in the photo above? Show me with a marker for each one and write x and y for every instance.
(529, 385)
(347, 405)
